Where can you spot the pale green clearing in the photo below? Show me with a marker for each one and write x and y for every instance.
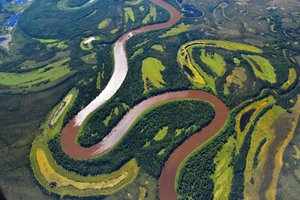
(47, 74)
(226, 89)
(209, 80)
(62, 5)
(237, 61)
(141, 8)
(32, 64)
(291, 78)
(151, 72)
(161, 134)
(223, 44)
(143, 192)
(181, 28)
(147, 144)
(114, 112)
(223, 174)
(214, 61)
(195, 73)
(178, 132)
(136, 53)
(133, 2)
(262, 67)
(98, 83)
(59, 111)
(46, 41)
(50, 43)
(129, 14)
(89, 58)
(161, 152)
(264, 130)
(114, 31)
(152, 15)
(105, 23)
(158, 47)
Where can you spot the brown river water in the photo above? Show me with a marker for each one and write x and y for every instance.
(167, 179)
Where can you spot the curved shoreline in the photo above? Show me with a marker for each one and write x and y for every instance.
(70, 132)
(121, 62)
(167, 178)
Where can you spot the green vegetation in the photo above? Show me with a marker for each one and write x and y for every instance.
(161, 134)
(291, 79)
(134, 2)
(65, 5)
(129, 14)
(105, 23)
(214, 61)
(152, 15)
(161, 152)
(136, 53)
(152, 77)
(181, 28)
(158, 47)
(50, 72)
(98, 83)
(143, 192)
(228, 45)
(212, 65)
(143, 130)
(262, 67)
(60, 181)
(90, 58)
(59, 111)
(86, 44)
(223, 174)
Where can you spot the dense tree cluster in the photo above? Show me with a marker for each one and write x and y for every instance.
(189, 115)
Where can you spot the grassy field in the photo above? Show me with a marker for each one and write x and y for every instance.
(269, 139)
(262, 67)
(228, 45)
(136, 53)
(254, 169)
(158, 47)
(189, 69)
(50, 72)
(151, 72)
(105, 23)
(129, 14)
(161, 134)
(63, 5)
(62, 182)
(223, 174)
(181, 28)
(134, 2)
(291, 78)
(214, 61)
(257, 106)
(151, 16)
(63, 105)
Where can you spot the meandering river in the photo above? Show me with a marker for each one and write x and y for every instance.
(167, 180)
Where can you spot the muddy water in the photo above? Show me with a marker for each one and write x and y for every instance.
(121, 63)
(167, 189)
(167, 179)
